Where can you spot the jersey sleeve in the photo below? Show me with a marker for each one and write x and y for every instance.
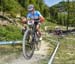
(39, 14)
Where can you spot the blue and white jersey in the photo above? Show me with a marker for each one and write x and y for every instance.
(35, 15)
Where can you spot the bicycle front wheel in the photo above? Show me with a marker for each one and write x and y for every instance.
(28, 44)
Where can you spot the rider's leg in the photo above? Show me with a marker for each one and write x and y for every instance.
(39, 32)
(38, 29)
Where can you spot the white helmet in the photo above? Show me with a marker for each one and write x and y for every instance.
(30, 7)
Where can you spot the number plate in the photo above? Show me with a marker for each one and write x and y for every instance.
(30, 22)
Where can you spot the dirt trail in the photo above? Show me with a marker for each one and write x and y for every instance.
(38, 55)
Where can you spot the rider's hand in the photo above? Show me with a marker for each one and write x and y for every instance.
(24, 20)
(42, 19)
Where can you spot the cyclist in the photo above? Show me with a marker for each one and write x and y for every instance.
(34, 15)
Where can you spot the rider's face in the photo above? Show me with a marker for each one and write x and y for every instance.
(32, 11)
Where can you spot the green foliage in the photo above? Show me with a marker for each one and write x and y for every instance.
(63, 13)
(20, 6)
(10, 32)
(11, 6)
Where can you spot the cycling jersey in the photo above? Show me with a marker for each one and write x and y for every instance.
(35, 15)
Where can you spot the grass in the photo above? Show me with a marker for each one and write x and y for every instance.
(8, 49)
(65, 53)
(71, 35)
(44, 61)
(10, 32)
(8, 52)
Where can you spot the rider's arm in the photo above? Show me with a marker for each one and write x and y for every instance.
(23, 20)
(41, 18)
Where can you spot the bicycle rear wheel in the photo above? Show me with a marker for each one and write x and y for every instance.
(28, 44)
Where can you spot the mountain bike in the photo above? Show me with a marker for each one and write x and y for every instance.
(30, 39)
